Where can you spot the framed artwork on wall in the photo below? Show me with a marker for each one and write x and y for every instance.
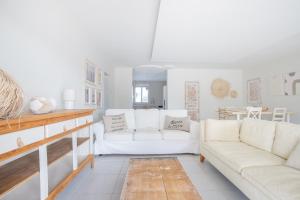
(254, 92)
(87, 95)
(93, 96)
(93, 92)
(99, 77)
(99, 98)
(90, 75)
(192, 99)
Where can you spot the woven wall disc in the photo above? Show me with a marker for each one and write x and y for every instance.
(220, 88)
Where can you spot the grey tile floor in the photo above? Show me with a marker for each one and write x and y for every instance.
(105, 181)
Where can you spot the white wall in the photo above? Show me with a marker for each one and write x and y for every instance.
(208, 103)
(37, 50)
(122, 87)
(265, 71)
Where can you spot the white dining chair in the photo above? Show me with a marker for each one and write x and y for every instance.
(254, 112)
(279, 114)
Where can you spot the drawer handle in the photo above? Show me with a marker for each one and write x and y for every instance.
(20, 143)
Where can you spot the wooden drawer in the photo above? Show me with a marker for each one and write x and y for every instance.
(10, 141)
(57, 128)
(82, 120)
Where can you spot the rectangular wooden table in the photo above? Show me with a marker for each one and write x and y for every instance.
(157, 179)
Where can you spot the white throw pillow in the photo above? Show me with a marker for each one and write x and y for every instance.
(258, 133)
(222, 130)
(114, 123)
(177, 123)
(294, 158)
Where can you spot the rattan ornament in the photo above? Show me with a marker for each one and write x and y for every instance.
(220, 88)
(11, 97)
(234, 94)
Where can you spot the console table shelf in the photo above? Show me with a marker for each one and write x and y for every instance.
(34, 148)
(17, 171)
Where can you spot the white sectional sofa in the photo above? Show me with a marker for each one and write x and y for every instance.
(146, 134)
(252, 155)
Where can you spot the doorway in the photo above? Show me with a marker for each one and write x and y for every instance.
(149, 87)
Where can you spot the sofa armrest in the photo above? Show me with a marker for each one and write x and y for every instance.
(195, 129)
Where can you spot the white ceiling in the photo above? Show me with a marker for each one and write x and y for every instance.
(150, 73)
(136, 32)
(222, 31)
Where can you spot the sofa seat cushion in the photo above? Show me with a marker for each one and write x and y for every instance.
(176, 135)
(277, 182)
(238, 155)
(147, 135)
(119, 135)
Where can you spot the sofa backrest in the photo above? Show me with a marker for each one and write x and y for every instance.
(147, 119)
(258, 133)
(222, 130)
(172, 113)
(286, 138)
(129, 114)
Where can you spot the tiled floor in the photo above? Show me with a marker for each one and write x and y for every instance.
(105, 181)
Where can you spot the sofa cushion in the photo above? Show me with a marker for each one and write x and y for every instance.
(286, 139)
(147, 119)
(176, 135)
(177, 123)
(222, 130)
(172, 113)
(129, 113)
(238, 155)
(276, 182)
(147, 135)
(294, 158)
(115, 123)
(258, 133)
(119, 136)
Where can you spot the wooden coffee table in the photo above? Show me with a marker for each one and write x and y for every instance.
(157, 179)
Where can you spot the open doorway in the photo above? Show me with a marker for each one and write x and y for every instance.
(149, 87)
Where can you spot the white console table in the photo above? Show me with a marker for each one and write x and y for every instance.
(34, 148)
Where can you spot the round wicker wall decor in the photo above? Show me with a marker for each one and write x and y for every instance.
(220, 88)
(11, 97)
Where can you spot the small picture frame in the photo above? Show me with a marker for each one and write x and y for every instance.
(99, 98)
(99, 77)
(90, 73)
(87, 95)
(93, 96)
(254, 92)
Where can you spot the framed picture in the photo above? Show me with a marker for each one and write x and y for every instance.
(99, 98)
(254, 92)
(99, 77)
(90, 76)
(93, 96)
(87, 95)
(192, 99)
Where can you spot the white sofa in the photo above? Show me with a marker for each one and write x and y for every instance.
(252, 155)
(146, 134)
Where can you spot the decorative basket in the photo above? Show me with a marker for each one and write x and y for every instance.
(11, 97)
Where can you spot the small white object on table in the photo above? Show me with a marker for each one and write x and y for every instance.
(239, 114)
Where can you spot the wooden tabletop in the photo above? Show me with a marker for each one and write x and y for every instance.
(157, 178)
(29, 120)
